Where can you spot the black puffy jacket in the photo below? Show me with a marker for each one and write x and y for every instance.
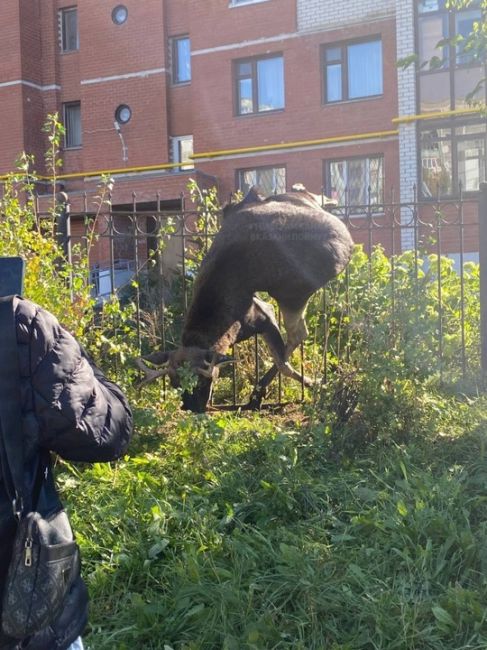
(70, 408)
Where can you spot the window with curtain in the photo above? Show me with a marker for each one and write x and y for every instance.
(352, 70)
(259, 85)
(181, 60)
(72, 125)
(355, 181)
(270, 180)
(69, 29)
(452, 155)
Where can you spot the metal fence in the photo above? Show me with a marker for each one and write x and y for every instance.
(150, 256)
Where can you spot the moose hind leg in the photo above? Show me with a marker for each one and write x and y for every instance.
(295, 327)
(296, 331)
(265, 323)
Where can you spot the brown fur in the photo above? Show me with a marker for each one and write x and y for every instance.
(287, 246)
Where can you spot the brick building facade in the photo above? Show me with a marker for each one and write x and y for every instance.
(235, 92)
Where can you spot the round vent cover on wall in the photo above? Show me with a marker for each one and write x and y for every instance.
(123, 114)
(120, 14)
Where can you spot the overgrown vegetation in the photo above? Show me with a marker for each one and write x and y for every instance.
(257, 532)
(58, 281)
(353, 522)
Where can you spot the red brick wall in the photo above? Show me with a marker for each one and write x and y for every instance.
(203, 108)
(220, 34)
(10, 59)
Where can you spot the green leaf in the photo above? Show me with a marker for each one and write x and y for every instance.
(442, 616)
(157, 548)
(402, 508)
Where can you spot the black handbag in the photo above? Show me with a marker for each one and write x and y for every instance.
(45, 558)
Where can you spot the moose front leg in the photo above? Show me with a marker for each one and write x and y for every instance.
(260, 389)
(297, 331)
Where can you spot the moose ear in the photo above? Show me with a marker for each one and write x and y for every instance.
(158, 359)
(252, 196)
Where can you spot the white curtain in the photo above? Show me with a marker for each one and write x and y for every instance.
(365, 69)
(270, 80)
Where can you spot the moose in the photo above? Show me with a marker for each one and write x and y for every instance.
(286, 245)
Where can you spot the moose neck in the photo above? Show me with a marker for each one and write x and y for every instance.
(214, 318)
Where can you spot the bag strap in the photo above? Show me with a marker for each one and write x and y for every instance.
(12, 453)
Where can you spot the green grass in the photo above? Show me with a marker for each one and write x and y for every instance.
(260, 531)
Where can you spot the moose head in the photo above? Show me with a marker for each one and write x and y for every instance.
(205, 364)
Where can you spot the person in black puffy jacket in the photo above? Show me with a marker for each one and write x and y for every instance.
(68, 407)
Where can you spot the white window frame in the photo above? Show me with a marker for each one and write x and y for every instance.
(241, 3)
(257, 170)
(176, 152)
(376, 207)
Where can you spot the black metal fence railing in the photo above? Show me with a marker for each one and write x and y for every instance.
(414, 287)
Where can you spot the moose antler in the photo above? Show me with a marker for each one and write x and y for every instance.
(217, 360)
(207, 369)
(150, 374)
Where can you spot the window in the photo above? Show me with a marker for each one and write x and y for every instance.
(181, 60)
(270, 180)
(352, 71)
(353, 181)
(432, 29)
(259, 85)
(72, 125)
(69, 29)
(451, 155)
(425, 6)
(447, 74)
(182, 149)
(464, 22)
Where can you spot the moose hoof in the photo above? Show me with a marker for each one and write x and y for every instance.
(252, 405)
(255, 401)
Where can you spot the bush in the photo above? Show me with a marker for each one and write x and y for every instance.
(54, 280)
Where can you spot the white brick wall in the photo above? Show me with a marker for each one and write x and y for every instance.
(406, 83)
(320, 15)
(323, 15)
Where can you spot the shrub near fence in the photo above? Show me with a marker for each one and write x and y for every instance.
(422, 304)
(412, 313)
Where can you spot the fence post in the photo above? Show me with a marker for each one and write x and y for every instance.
(483, 273)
